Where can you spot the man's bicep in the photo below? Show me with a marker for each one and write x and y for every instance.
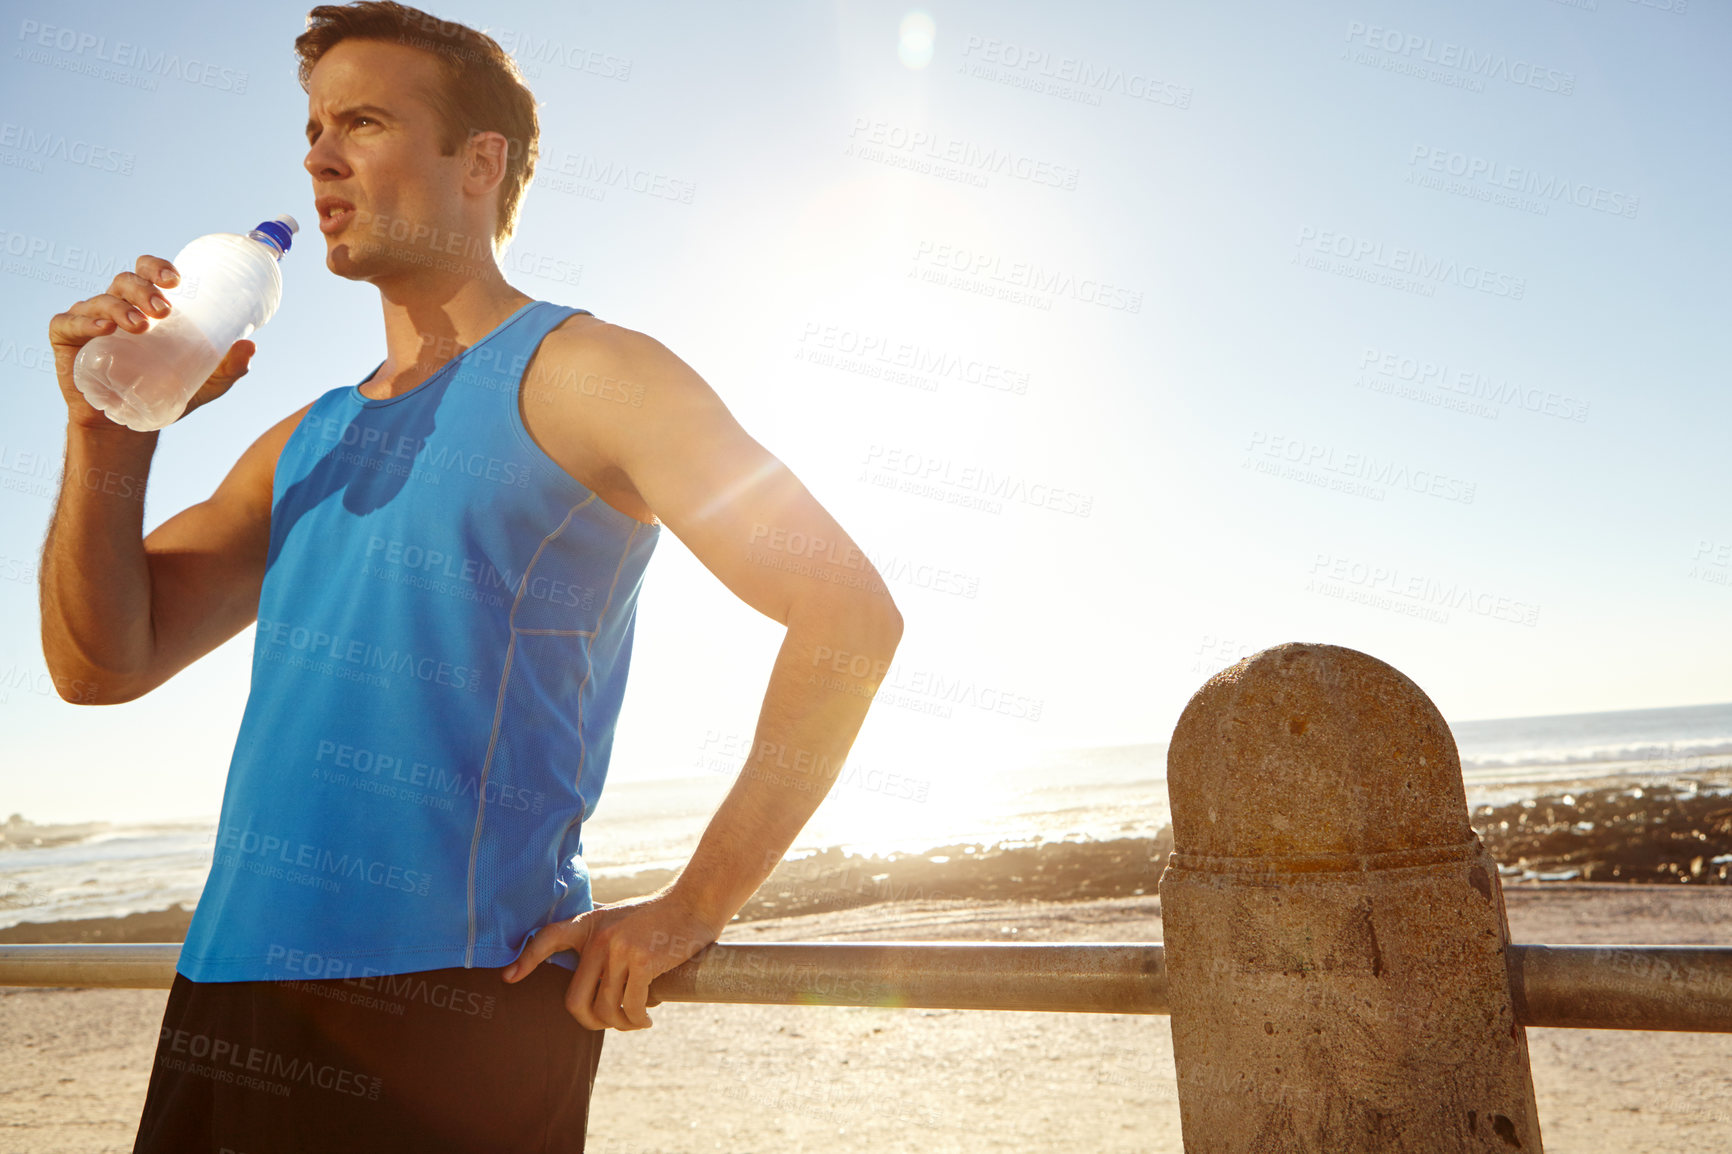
(207, 561)
(739, 509)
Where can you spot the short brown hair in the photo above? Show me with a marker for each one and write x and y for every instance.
(482, 90)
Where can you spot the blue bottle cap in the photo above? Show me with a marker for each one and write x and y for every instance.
(281, 230)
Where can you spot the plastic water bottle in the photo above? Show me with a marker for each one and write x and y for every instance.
(229, 286)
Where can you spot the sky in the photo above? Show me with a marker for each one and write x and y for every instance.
(1126, 339)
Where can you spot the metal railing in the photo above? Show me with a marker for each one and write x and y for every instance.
(1634, 987)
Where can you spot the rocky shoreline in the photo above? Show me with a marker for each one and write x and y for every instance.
(1671, 833)
(1677, 833)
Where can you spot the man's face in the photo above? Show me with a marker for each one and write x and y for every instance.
(385, 195)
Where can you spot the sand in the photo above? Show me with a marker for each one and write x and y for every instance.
(75, 1063)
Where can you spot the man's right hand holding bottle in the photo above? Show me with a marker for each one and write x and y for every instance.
(130, 303)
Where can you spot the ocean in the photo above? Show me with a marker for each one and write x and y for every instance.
(59, 872)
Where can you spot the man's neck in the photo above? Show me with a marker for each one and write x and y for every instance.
(429, 323)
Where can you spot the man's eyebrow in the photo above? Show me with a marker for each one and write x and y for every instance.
(348, 113)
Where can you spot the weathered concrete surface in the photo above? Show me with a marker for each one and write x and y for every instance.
(1335, 932)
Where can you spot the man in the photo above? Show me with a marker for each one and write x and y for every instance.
(423, 739)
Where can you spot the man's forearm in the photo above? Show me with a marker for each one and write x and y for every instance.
(95, 579)
(829, 666)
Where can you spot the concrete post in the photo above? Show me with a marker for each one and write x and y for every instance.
(1335, 932)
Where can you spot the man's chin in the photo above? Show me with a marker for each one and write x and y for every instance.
(341, 259)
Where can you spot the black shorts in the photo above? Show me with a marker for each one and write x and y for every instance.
(443, 1060)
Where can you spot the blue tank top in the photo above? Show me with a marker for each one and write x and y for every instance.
(443, 637)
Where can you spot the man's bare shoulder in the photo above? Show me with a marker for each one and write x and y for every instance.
(609, 381)
(603, 348)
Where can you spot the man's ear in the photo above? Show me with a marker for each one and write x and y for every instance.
(486, 154)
